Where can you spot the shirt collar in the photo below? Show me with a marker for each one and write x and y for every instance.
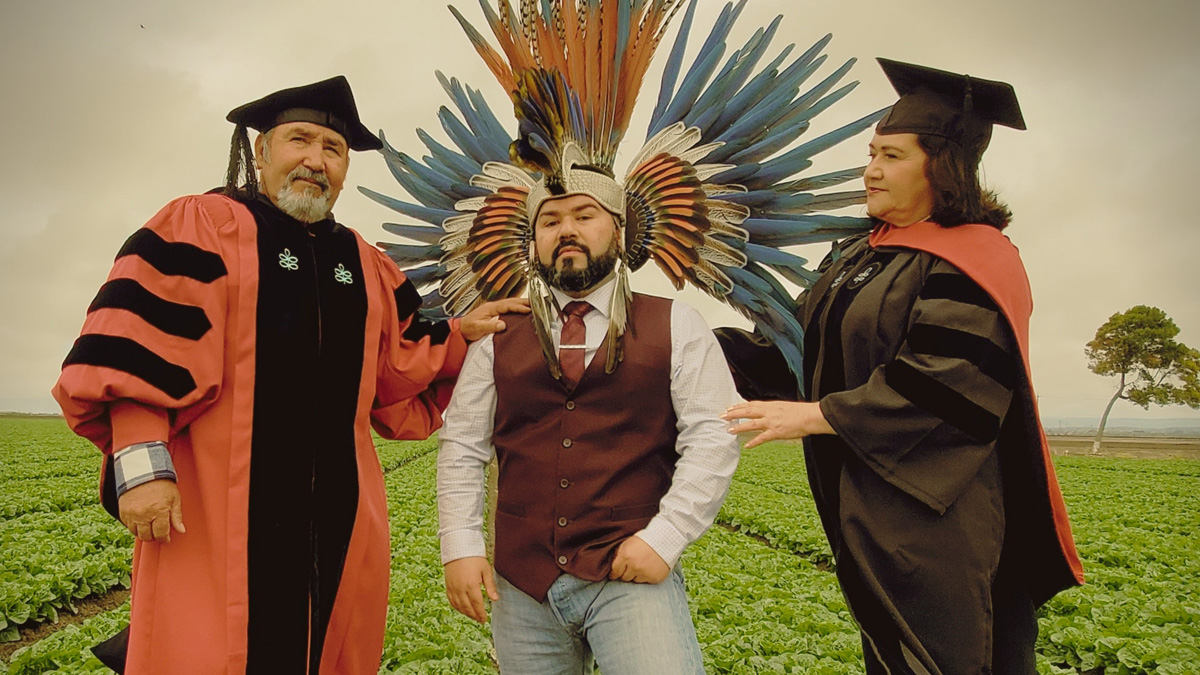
(600, 298)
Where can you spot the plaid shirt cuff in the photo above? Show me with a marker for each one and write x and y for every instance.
(141, 463)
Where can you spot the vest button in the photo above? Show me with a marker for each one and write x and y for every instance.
(562, 522)
(570, 405)
(566, 442)
(564, 483)
(562, 560)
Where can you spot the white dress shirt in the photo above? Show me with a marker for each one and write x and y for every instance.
(701, 389)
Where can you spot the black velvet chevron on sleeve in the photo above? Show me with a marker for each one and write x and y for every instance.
(126, 355)
(174, 258)
(436, 331)
(956, 287)
(172, 318)
(942, 341)
(944, 402)
(408, 300)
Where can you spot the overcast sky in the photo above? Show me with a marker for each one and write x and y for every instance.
(113, 108)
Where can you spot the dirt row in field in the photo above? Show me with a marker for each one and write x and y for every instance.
(87, 607)
(1141, 447)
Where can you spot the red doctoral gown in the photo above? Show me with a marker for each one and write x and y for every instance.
(263, 351)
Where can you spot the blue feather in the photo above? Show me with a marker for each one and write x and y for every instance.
(458, 95)
(754, 199)
(405, 254)
(433, 305)
(775, 140)
(712, 101)
(774, 170)
(760, 286)
(462, 137)
(788, 122)
(427, 174)
(738, 175)
(689, 90)
(767, 255)
(460, 186)
(413, 184)
(622, 35)
(794, 215)
(437, 313)
(778, 292)
(671, 72)
(702, 68)
(738, 69)
(463, 166)
(794, 75)
(815, 50)
(777, 324)
(760, 85)
(802, 277)
(792, 206)
(813, 95)
(439, 168)
(785, 165)
(826, 201)
(426, 274)
(487, 118)
(792, 267)
(421, 233)
(820, 106)
(826, 180)
(704, 121)
(428, 215)
(742, 298)
(755, 120)
(789, 342)
(804, 230)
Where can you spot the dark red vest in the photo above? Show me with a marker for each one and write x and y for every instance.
(580, 470)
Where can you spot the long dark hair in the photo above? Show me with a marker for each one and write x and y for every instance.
(958, 198)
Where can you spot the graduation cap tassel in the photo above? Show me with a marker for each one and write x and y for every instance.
(240, 177)
(968, 103)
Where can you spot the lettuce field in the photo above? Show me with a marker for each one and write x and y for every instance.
(763, 594)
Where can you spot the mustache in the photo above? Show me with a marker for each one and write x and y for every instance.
(575, 243)
(301, 172)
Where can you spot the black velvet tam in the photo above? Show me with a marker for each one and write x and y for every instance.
(958, 107)
(329, 103)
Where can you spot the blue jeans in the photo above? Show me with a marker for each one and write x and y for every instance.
(631, 629)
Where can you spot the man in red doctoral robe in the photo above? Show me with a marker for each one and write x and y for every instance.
(231, 369)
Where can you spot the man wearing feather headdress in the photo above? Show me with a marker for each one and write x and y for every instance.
(606, 473)
(600, 406)
(231, 370)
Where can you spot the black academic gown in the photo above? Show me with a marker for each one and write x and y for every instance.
(919, 373)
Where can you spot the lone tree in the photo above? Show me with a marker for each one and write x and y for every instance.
(1139, 346)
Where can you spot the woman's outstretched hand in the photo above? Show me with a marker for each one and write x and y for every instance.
(776, 420)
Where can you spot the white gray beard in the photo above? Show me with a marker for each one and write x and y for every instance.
(301, 204)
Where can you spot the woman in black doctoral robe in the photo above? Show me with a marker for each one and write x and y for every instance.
(925, 454)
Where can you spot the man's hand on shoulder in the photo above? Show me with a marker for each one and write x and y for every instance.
(463, 579)
(485, 319)
(151, 509)
(636, 561)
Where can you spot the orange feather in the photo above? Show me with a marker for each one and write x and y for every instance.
(671, 270)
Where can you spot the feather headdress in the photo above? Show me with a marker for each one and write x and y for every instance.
(712, 197)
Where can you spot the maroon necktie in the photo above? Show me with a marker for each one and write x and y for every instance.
(571, 345)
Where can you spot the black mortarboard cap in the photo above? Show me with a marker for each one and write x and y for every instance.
(958, 107)
(328, 103)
